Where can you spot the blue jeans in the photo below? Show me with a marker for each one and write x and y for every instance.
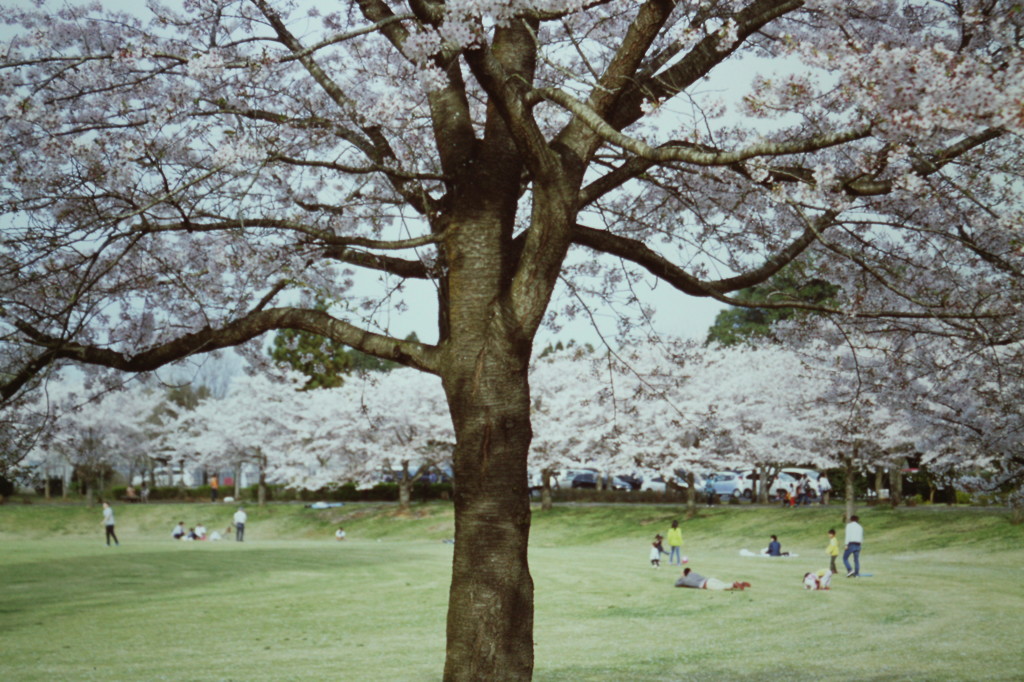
(239, 531)
(675, 556)
(854, 549)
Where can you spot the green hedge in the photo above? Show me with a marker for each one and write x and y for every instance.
(382, 492)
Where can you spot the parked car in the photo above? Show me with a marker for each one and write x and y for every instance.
(634, 481)
(657, 483)
(733, 484)
(567, 477)
(591, 479)
(797, 472)
(584, 479)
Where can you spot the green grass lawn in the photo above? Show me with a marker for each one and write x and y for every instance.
(945, 602)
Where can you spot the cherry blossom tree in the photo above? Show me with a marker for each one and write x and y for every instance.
(253, 425)
(568, 422)
(376, 424)
(395, 423)
(954, 401)
(97, 436)
(192, 178)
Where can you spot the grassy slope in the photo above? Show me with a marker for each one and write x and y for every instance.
(945, 601)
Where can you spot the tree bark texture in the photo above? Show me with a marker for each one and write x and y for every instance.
(261, 491)
(691, 495)
(490, 611)
(762, 485)
(546, 502)
(896, 483)
(851, 475)
(404, 494)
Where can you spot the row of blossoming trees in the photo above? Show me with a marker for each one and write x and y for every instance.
(657, 409)
(192, 176)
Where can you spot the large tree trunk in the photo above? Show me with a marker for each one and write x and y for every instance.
(545, 491)
(490, 608)
(762, 484)
(851, 475)
(404, 493)
(896, 483)
(691, 495)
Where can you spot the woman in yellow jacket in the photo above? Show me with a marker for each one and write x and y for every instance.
(675, 544)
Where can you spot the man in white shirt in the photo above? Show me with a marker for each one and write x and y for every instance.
(854, 537)
(240, 519)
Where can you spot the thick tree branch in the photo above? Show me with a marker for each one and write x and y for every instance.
(689, 154)
(399, 267)
(505, 71)
(657, 86)
(923, 166)
(639, 253)
(256, 323)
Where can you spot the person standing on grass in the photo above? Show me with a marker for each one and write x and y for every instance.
(240, 519)
(108, 523)
(675, 544)
(854, 538)
(832, 550)
(214, 488)
(824, 488)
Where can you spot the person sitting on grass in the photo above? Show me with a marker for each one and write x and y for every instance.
(775, 547)
(690, 578)
(179, 531)
(200, 532)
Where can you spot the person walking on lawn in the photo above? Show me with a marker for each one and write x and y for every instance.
(108, 524)
(854, 538)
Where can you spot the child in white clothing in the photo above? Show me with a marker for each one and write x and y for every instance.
(655, 555)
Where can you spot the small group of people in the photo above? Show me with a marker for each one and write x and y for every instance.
(689, 578)
(675, 545)
(812, 580)
(198, 532)
(806, 490)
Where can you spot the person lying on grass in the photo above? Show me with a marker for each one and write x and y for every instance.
(689, 578)
(818, 580)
